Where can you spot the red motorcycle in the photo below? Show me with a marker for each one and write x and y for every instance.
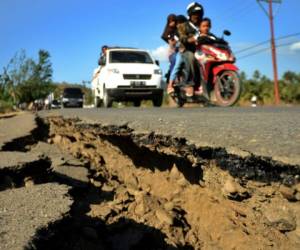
(220, 83)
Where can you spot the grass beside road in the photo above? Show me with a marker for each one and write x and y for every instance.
(5, 107)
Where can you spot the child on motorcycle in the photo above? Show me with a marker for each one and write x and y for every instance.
(205, 27)
(205, 36)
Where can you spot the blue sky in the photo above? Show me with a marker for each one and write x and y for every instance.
(74, 30)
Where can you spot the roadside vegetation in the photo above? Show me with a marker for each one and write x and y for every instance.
(263, 88)
(24, 79)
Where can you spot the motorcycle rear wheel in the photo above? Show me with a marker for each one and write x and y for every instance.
(227, 89)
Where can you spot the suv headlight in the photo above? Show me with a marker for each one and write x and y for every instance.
(65, 99)
(157, 72)
(114, 71)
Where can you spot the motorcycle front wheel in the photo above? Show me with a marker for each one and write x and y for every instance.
(227, 89)
(178, 97)
(179, 102)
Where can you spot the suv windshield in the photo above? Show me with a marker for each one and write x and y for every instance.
(130, 57)
(72, 93)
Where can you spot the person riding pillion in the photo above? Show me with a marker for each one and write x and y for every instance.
(169, 34)
(180, 58)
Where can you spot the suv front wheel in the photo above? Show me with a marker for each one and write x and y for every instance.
(107, 100)
(158, 100)
(97, 102)
(137, 103)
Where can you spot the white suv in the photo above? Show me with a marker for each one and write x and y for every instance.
(128, 75)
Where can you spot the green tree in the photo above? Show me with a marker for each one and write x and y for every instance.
(290, 77)
(18, 70)
(43, 69)
(256, 75)
(39, 84)
(243, 77)
(24, 80)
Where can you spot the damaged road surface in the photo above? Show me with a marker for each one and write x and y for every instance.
(77, 184)
(24, 210)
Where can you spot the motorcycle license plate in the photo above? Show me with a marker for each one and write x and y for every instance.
(138, 83)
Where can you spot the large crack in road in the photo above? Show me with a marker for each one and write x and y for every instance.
(148, 191)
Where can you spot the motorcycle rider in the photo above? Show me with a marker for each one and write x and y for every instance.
(188, 37)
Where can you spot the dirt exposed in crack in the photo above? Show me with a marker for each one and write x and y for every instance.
(156, 192)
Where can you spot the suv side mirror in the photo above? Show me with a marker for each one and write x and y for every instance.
(157, 62)
(227, 33)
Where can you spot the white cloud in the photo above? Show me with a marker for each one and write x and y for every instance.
(295, 46)
(160, 53)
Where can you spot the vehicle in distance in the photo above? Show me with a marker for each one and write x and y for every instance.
(72, 97)
(127, 75)
(55, 104)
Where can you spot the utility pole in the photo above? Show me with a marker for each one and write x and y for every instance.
(273, 45)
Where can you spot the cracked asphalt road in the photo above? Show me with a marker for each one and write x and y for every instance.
(271, 132)
(18, 126)
(70, 167)
(24, 210)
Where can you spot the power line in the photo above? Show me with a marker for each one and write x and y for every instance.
(267, 41)
(265, 49)
(240, 16)
(232, 12)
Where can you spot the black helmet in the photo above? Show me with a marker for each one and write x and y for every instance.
(195, 8)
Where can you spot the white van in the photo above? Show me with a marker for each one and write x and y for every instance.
(127, 75)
